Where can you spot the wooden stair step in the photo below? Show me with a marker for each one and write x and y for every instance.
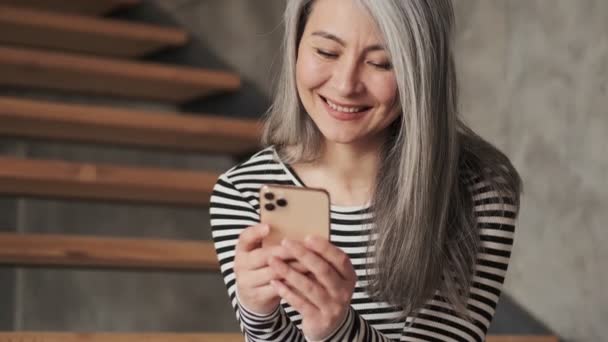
(119, 337)
(85, 181)
(521, 338)
(83, 34)
(87, 7)
(21, 67)
(178, 337)
(110, 125)
(102, 252)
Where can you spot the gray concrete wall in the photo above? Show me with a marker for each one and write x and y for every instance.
(535, 76)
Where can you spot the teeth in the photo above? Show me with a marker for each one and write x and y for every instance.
(343, 109)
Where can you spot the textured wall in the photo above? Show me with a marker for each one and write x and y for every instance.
(534, 76)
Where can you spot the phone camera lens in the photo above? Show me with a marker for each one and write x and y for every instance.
(269, 206)
(269, 196)
(281, 202)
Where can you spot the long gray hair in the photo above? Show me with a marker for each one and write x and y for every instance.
(422, 202)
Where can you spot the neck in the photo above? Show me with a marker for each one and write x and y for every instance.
(353, 165)
(347, 171)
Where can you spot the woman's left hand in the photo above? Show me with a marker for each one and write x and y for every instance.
(323, 298)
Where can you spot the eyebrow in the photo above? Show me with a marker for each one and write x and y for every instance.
(333, 37)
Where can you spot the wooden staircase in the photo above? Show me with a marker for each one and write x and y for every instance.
(80, 34)
(69, 47)
(101, 7)
(127, 127)
(116, 337)
(61, 250)
(82, 74)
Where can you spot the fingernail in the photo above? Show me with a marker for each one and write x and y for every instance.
(309, 238)
(286, 243)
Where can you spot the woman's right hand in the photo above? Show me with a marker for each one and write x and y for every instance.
(253, 275)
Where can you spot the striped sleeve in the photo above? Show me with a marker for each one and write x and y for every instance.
(438, 321)
(230, 214)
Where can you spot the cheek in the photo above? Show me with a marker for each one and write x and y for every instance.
(386, 94)
(385, 90)
(310, 72)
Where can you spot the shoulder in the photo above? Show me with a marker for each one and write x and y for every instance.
(495, 208)
(259, 161)
(499, 183)
(243, 181)
(487, 173)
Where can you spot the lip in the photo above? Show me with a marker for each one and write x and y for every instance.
(341, 115)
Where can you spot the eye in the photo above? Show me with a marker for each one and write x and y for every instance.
(326, 54)
(382, 66)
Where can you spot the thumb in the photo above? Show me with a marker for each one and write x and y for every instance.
(251, 237)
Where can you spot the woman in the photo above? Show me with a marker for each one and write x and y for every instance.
(423, 209)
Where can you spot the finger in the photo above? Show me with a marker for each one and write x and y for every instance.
(298, 266)
(266, 293)
(303, 285)
(323, 271)
(259, 277)
(282, 253)
(258, 258)
(296, 300)
(251, 237)
(334, 255)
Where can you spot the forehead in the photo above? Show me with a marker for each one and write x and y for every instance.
(347, 19)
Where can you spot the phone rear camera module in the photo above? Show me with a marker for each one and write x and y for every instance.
(269, 206)
(269, 196)
(281, 202)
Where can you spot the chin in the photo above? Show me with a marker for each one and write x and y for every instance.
(340, 136)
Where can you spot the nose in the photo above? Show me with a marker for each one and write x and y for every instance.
(346, 78)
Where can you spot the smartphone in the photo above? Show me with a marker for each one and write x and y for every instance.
(294, 212)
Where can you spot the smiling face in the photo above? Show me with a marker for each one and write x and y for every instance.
(343, 73)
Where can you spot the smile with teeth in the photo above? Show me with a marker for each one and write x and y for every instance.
(344, 109)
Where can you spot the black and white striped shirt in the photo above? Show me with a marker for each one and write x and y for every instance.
(235, 206)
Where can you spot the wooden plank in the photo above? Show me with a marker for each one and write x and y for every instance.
(119, 337)
(86, 7)
(82, 34)
(175, 337)
(108, 125)
(24, 68)
(98, 252)
(521, 338)
(85, 181)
